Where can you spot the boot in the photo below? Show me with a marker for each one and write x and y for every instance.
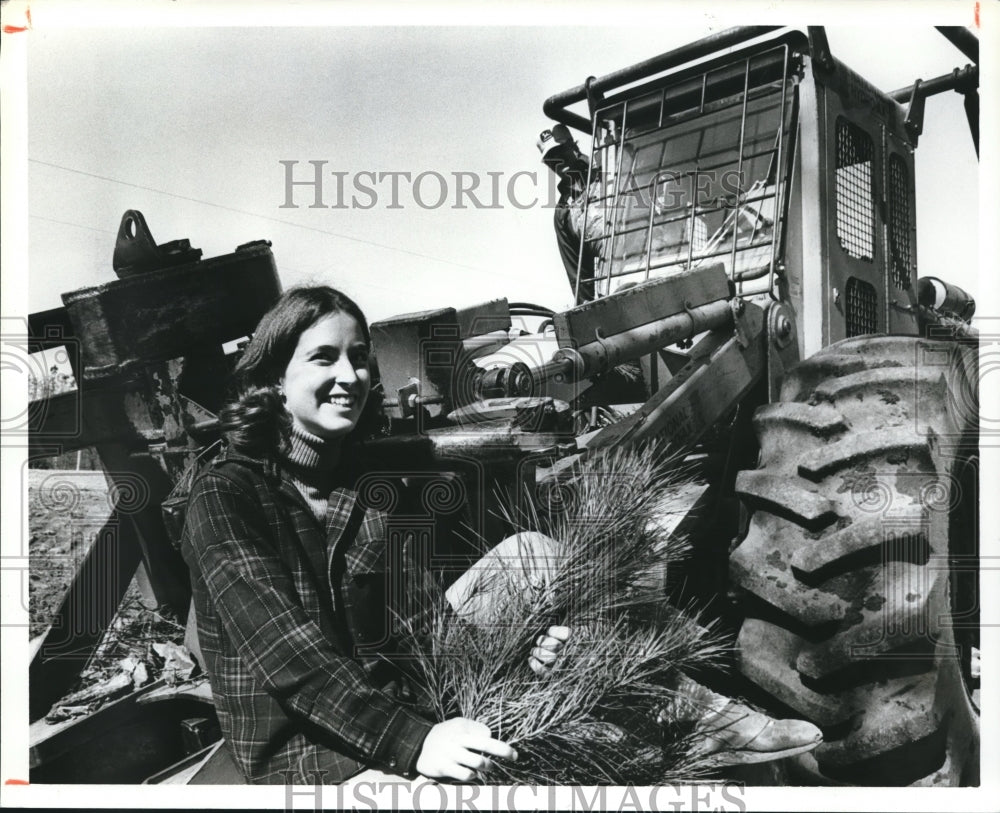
(731, 733)
(738, 735)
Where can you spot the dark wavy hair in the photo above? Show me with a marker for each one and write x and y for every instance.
(255, 420)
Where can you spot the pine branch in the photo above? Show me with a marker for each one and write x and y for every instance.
(607, 538)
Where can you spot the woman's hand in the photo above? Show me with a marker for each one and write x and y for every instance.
(457, 748)
(547, 648)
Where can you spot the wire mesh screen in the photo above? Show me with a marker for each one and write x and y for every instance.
(855, 212)
(691, 173)
(862, 308)
(900, 223)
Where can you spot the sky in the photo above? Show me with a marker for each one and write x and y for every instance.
(190, 126)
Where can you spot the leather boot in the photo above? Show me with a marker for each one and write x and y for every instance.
(738, 735)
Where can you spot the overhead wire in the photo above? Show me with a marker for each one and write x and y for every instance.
(68, 223)
(254, 214)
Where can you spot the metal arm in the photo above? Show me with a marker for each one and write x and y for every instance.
(963, 80)
(963, 39)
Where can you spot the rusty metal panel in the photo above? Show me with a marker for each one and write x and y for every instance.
(169, 313)
(486, 317)
(641, 304)
(423, 346)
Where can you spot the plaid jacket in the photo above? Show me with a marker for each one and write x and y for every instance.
(288, 615)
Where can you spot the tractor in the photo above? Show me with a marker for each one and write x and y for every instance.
(743, 255)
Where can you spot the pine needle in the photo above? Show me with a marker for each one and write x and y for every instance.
(593, 718)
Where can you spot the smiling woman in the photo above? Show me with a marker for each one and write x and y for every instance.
(327, 380)
(292, 575)
(306, 367)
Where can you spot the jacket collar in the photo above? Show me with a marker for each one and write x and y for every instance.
(342, 498)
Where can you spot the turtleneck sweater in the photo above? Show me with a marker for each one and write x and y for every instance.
(311, 461)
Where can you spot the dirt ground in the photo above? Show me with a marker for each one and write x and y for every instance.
(66, 509)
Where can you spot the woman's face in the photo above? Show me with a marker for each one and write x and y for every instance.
(327, 379)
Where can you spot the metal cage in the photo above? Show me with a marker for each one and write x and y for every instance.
(692, 170)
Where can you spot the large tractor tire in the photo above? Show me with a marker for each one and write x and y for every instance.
(846, 569)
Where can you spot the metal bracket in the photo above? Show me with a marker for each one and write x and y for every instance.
(782, 346)
(962, 80)
(136, 251)
(594, 97)
(407, 398)
(819, 48)
(914, 121)
(740, 331)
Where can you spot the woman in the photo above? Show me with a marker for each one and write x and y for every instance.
(285, 567)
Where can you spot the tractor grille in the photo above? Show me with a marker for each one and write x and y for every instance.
(862, 308)
(855, 213)
(899, 223)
